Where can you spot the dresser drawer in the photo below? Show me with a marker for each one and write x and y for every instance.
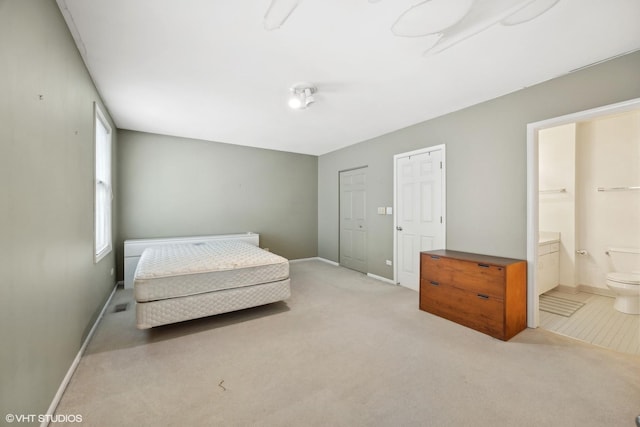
(476, 277)
(482, 313)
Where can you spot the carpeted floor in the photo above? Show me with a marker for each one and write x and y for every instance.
(344, 350)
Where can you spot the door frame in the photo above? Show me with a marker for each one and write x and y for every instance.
(395, 198)
(533, 317)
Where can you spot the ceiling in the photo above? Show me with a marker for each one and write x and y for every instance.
(218, 70)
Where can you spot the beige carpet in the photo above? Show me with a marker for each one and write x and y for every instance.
(345, 350)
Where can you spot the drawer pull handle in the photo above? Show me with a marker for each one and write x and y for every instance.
(483, 296)
(483, 265)
(435, 257)
(434, 283)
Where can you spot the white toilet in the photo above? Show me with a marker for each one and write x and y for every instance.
(624, 281)
(627, 289)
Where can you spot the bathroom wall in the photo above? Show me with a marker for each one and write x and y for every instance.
(556, 160)
(608, 155)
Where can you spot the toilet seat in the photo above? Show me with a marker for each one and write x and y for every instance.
(626, 278)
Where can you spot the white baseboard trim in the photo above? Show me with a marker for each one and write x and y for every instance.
(293, 261)
(567, 289)
(597, 291)
(74, 364)
(315, 259)
(588, 289)
(328, 261)
(383, 279)
(373, 276)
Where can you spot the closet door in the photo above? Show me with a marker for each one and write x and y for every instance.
(353, 219)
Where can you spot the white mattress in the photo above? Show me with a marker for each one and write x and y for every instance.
(180, 270)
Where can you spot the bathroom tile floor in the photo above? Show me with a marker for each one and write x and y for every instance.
(597, 323)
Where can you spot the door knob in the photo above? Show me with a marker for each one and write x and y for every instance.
(399, 228)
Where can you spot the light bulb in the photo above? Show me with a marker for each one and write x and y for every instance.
(295, 102)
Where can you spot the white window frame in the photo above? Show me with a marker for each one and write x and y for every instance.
(103, 192)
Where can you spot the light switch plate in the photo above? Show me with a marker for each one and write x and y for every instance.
(389, 210)
(381, 211)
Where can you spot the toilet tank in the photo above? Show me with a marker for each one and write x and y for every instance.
(624, 259)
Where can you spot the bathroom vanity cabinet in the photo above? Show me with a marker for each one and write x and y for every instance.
(548, 266)
(485, 293)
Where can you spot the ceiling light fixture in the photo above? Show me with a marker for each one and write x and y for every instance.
(302, 96)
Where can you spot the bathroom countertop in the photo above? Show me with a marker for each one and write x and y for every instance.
(545, 237)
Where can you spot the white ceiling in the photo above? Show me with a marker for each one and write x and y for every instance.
(208, 69)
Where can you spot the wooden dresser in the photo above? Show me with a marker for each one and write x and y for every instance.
(486, 293)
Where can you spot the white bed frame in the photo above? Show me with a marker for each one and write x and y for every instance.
(133, 248)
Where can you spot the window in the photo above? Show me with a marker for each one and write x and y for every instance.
(103, 191)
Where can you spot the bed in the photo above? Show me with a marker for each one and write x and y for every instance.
(177, 282)
(133, 248)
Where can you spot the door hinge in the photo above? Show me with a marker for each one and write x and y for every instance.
(440, 165)
(440, 220)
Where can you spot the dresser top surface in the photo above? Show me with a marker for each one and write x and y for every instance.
(467, 256)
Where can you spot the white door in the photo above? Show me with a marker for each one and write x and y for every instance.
(420, 222)
(353, 219)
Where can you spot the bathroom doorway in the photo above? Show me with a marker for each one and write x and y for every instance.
(561, 188)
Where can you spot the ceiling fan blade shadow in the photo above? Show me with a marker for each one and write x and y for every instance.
(430, 17)
(529, 12)
(278, 12)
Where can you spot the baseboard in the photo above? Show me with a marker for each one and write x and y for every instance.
(598, 291)
(373, 276)
(586, 288)
(74, 364)
(567, 289)
(328, 261)
(315, 259)
(293, 261)
(382, 279)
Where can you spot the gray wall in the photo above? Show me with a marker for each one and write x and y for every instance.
(183, 187)
(486, 163)
(50, 289)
